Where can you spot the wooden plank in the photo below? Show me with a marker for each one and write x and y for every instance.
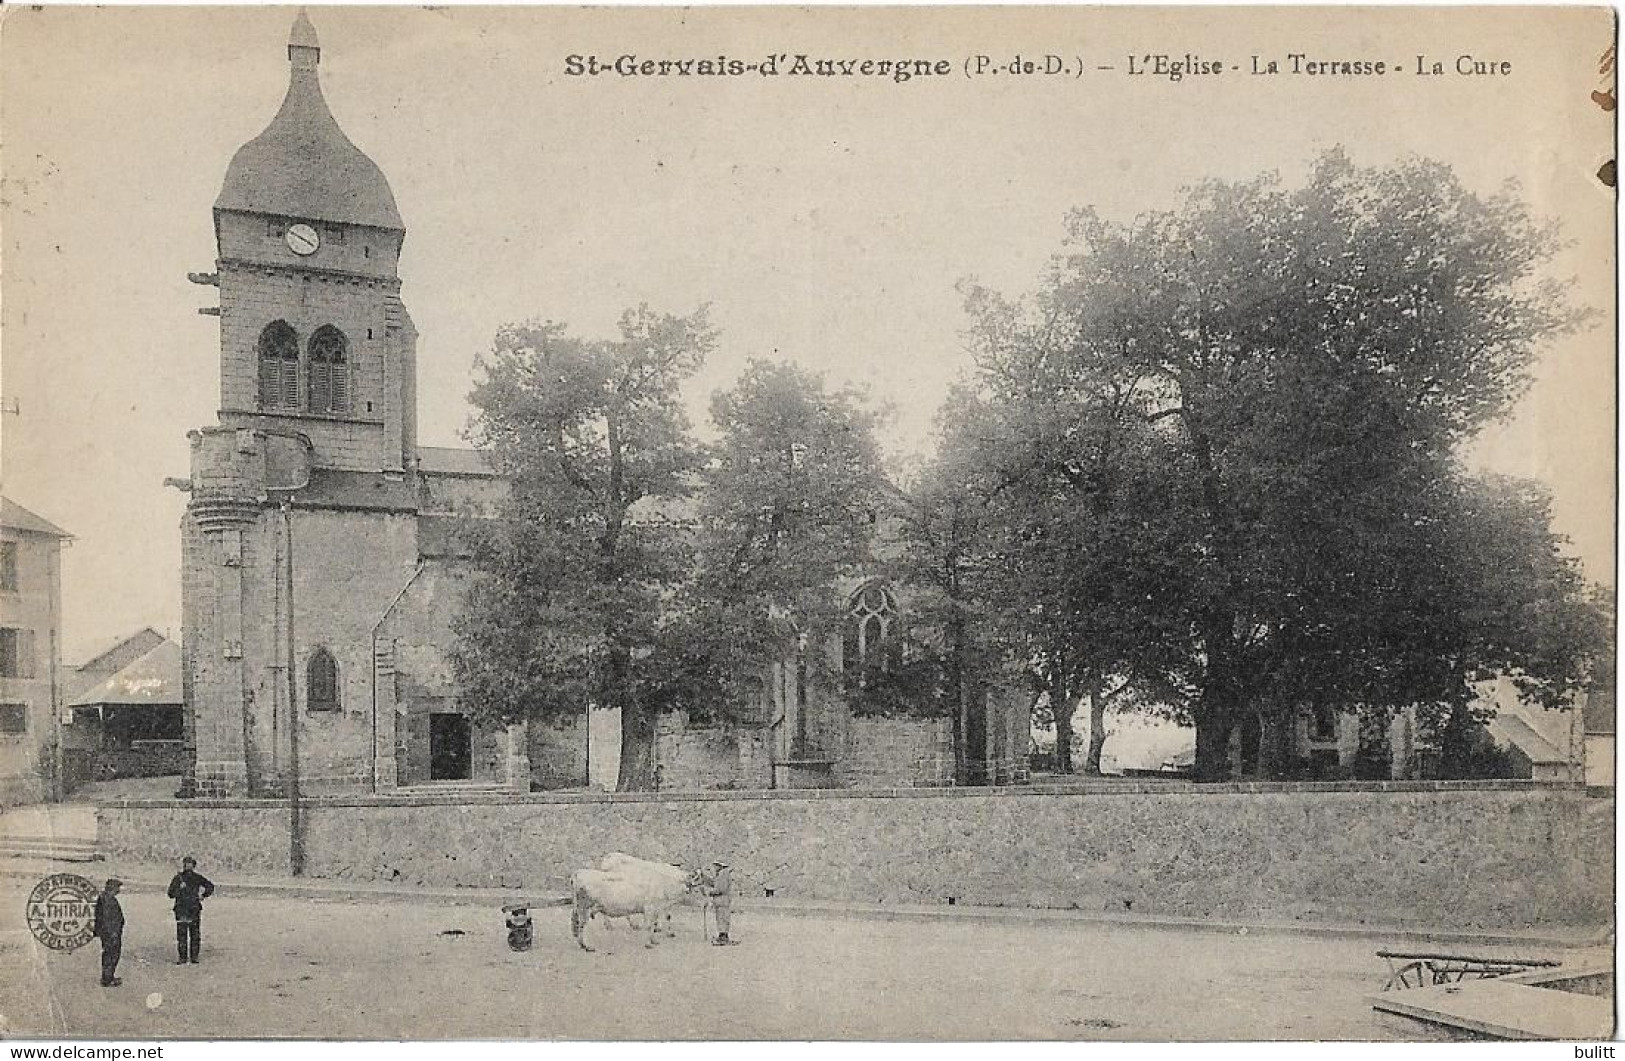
(1540, 963)
(1505, 1010)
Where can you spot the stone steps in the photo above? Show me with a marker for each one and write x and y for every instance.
(451, 788)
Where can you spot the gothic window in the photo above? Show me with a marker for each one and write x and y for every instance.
(322, 682)
(329, 371)
(870, 640)
(279, 367)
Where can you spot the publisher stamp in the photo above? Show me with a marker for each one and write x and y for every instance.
(62, 911)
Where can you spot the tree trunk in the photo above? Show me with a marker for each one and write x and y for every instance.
(958, 700)
(1060, 702)
(1213, 748)
(1097, 728)
(1455, 743)
(1374, 760)
(637, 749)
(1279, 746)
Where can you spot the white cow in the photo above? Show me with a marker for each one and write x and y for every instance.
(625, 865)
(622, 894)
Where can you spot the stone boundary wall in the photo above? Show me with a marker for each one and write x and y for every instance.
(1492, 856)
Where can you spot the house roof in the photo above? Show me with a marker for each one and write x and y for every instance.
(154, 680)
(1510, 729)
(146, 634)
(114, 657)
(15, 517)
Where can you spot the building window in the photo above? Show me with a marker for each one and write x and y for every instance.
(13, 719)
(279, 367)
(322, 682)
(329, 371)
(870, 642)
(16, 653)
(8, 566)
(1323, 724)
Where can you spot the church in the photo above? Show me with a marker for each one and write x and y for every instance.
(321, 562)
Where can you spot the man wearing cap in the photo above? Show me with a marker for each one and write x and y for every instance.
(718, 888)
(189, 889)
(109, 928)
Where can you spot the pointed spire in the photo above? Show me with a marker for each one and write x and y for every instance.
(303, 38)
(303, 165)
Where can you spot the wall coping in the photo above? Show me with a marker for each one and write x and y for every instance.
(1097, 788)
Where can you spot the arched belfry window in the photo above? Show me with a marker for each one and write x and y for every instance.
(279, 366)
(329, 371)
(870, 640)
(322, 682)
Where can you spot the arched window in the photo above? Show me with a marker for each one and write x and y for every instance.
(329, 371)
(322, 682)
(870, 639)
(279, 367)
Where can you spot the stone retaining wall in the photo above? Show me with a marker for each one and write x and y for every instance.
(1501, 856)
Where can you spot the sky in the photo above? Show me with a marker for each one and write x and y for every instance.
(825, 221)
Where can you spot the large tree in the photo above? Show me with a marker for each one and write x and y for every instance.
(572, 606)
(792, 494)
(1047, 469)
(1308, 362)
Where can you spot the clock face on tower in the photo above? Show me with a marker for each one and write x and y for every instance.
(303, 240)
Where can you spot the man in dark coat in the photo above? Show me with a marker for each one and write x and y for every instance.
(109, 928)
(189, 889)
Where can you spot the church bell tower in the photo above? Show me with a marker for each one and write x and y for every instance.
(317, 420)
(313, 336)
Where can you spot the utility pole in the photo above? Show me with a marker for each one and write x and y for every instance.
(296, 839)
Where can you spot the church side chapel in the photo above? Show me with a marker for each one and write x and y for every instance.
(322, 560)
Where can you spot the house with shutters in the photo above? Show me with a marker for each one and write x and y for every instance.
(30, 654)
(322, 562)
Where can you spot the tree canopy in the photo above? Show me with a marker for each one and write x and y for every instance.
(1231, 431)
(789, 509)
(578, 570)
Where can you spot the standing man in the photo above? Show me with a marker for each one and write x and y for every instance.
(189, 889)
(109, 928)
(719, 890)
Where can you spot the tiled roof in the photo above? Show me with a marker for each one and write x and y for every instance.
(15, 517)
(1511, 729)
(152, 680)
(119, 654)
(373, 491)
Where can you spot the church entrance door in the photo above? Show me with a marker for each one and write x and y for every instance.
(451, 747)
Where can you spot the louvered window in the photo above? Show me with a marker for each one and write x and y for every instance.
(16, 653)
(329, 371)
(279, 367)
